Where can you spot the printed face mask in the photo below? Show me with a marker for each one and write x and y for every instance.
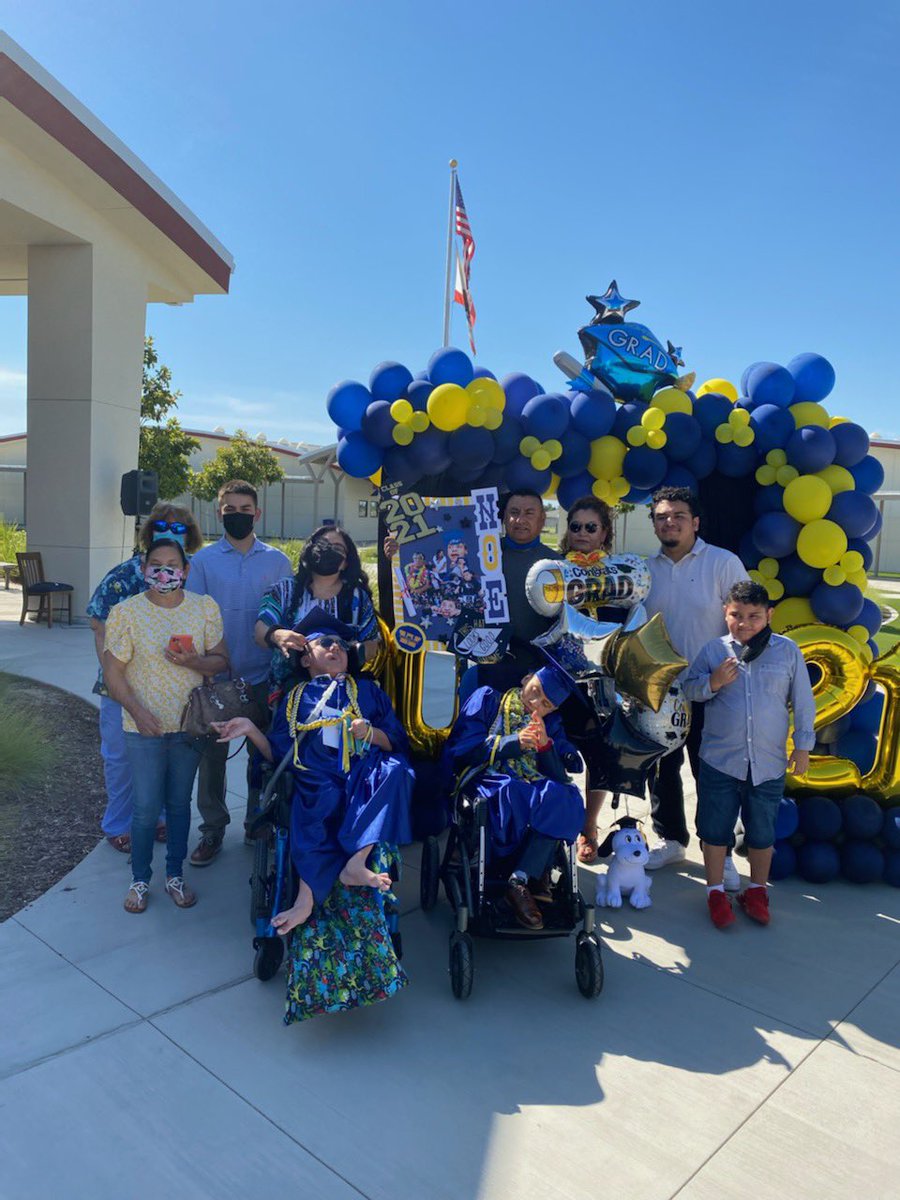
(164, 579)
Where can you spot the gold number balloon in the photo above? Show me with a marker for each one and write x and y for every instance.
(883, 781)
(424, 740)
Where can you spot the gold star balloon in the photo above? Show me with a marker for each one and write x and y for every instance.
(645, 664)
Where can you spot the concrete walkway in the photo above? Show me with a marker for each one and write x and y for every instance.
(138, 1056)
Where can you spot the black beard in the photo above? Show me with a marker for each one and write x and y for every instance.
(669, 544)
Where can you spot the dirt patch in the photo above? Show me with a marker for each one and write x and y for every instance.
(49, 826)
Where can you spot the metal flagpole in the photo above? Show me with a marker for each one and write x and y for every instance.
(448, 282)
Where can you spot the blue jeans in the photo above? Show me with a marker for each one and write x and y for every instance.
(721, 797)
(116, 769)
(163, 770)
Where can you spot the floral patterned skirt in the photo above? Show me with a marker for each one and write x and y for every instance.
(343, 957)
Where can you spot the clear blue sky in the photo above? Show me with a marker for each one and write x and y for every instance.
(735, 167)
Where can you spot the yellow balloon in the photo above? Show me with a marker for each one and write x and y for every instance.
(757, 577)
(402, 434)
(852, 561)
(768, 567)
(528, 446)
(493, 419)
(838, 478)
(835, 575)
(603, 491)
(636, 436)
(447, 406)
(620, 486)
(765, 475)
(807, 498)
(554, 449)
(488, 393)
(821, 543)
(809, 413)
(401, 410)
(672, 399)
(540, 460)
(776, 458)
(796, 610)
(477, 413)
(376, 478)
(784, 475)
(724, 434)
(859, 632)
(653, 418)
(551, 490)
(419, 422)
(859, 579)
(744, 436)
(738, 417)
(721, 386)
(867, 653)
(607, 455)
(774, 587)
(656, 439)
(837, 421)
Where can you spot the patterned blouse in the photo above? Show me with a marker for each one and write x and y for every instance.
(121, 583)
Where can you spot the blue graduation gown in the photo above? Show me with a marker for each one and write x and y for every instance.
(335, 814)
(550, 805)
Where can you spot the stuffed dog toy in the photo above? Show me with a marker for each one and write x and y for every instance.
(625, 875)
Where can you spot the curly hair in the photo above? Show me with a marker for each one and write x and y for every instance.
(604, 516)
(164, 511)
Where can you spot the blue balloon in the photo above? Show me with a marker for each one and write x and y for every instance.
(839, 605)
(860, 747)
(820, 818)
(769, 498)
(798, 577)
(864, 549)
(644, 468)
(506, 440)
(683, 436)
(471, 447)
(378, 425)
(575, 456)
(519, 389)
(861, 862)
(593, 413)
(628, 415)
(868, 473)
(449, 365)
(748, 552)
(491, 476)
(573, 489)
(874, 647)
(869, 616)
(773, 426)
(711, 411)
(769, 383)
(810, 448)
(867, 714)
(736, 461)
(876, 528)
(428, 452)
(818, 862)
(775, 534)
(862, 817)
(421, 375)
(520, 474)
(750, 405)
(855, 512)
(784, 861)
(813, 377)
(890, 827)
(787, 819)
(546, 417)
(346, 403)
(703, 461)
(418, 392)
(483, 373)
(892, 868)
(679, 476)
(852, 443)
(745, 377)
(399, 467)
(389, 381)
(637, 496)
(357, 456)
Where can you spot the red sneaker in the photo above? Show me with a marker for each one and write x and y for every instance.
(755, 903)
(720, 911)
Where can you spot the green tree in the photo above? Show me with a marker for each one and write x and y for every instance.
(164, 446)
(242, 458)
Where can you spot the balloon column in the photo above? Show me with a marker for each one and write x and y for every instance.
(625, 423)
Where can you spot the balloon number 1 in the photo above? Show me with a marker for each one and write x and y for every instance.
(844, 677)
(404, 516)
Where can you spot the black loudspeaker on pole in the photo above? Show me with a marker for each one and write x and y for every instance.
(139, 492)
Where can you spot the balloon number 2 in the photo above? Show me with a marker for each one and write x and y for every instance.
(404, 516)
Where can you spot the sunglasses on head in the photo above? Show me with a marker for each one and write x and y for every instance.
(160, 526)
(588, 527)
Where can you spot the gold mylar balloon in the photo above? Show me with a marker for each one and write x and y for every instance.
(381, 665)
(883, 781)
(645, 664)
(424, 740)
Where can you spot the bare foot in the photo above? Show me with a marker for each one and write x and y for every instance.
(285, 921)
(357, 874)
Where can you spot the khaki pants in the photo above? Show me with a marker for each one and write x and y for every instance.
(214, 815)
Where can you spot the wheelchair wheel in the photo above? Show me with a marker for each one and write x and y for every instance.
(588, 966)
(429, 874)
(267, 960)
(259, 882)
(462, 965)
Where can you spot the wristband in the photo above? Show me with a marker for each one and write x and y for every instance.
(548, 745)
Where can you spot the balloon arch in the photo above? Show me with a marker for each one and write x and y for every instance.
(787, 485)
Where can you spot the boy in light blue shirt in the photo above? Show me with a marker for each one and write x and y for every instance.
(751, 680)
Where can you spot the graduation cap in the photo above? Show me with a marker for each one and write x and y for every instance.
(318, 623)
(557, 684)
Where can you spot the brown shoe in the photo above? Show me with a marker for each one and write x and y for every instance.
(207, 849)
(183, 896)
(540, 888)
(522, 903)
(122, 843)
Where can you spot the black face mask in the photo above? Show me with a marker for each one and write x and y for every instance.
(756, 645)
(325, 559)
(238, 525)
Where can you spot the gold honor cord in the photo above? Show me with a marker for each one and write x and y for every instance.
(349, 714)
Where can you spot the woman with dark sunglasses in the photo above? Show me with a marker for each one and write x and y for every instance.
(121, 583)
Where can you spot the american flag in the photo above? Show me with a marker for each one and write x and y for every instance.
(462, 294)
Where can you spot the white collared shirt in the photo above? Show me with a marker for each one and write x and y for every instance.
(690, 594)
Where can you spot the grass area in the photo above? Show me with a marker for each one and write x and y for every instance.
(24, 755)
(12, 541)
(889, 634)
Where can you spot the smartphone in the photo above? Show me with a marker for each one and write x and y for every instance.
(181, 642)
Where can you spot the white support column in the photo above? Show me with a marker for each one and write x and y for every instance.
(86, 318)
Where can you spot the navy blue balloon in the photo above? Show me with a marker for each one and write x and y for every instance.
(428, 451)
(861, 862)
(869, 474)
(860, 747)
(378, 425)
(711, 411)
(773, 426)
(870, 616)
(890, 827)
(867, 714)
(852, 443)
(471, 447)
(876, 528)
(521, 474)
(862, 817)
(357, 456)
(862, 548)
(519, 389)
(736, 461)
(418, 392)
(798, 577)
(784, 861)
(347, 402)
(506, 440)
(745, 377)
(679, 476)
(748, 552)
(855, 512)
(837, 605)
(750, 405)
(627, 416)
(389, 381)
(820, 818)
(683, 436)
(813, 377)
(769, 498)
(399, 467)
(421, 375)
(829, 734)
(483, 373)
(818, 862)
(874, 647)
(769, 383)
(810, 448)
(575, 456)
(703, 461)
(891, 874)
(637, 495)
(787, 819)
(575, 488)
(644, 468)
(593, 413)
(775, 534)
(546, 417)
(449, 365)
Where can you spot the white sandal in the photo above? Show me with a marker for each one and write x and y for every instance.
(140, 891)
(182, 895)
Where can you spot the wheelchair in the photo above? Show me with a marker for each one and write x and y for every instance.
(273, 884)
(475, 885)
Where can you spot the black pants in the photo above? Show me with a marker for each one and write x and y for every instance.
(667, 794)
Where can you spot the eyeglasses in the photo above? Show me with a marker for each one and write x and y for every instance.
(675, 518)
(327, 642)
(160, 526)
(588, 527)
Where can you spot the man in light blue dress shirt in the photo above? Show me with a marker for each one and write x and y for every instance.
(236, 571)
(752, 680)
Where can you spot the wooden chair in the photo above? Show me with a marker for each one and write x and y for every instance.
(31, 571)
